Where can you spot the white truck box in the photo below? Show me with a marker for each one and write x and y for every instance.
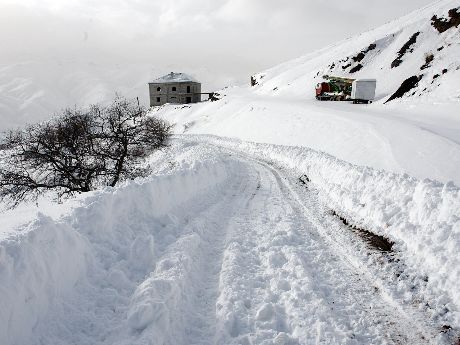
(363, 89)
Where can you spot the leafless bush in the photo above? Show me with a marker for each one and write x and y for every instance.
(79, 151)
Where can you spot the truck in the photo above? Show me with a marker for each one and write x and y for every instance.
(346, 89)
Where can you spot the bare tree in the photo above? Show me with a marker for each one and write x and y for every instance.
(79, 151)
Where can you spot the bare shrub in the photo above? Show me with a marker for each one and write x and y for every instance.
(79, 151)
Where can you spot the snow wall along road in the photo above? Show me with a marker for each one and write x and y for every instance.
(421, 216)
(83, 278)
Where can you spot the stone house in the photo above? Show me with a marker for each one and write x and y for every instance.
(178, 88)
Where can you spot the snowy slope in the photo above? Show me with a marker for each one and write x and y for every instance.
(379, 49)
(418, 134)
(421, 141)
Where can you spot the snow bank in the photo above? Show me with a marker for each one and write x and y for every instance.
(37, 267)
(75, 279)
(421, 216)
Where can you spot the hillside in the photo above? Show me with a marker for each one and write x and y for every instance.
(418, 134)
(415, 45)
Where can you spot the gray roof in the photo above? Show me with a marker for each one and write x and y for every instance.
(176, 78)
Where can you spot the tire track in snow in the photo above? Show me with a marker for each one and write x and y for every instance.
(200, 326)
(407, 326)
(247, 264)
(266, 288)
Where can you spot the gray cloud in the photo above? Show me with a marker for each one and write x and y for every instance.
(221, 41)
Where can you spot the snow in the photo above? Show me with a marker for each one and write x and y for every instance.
(223, 244)
(422, 141)
(297, 77)
(71, 279)
(175, 78)
(420, 215)
(418, 134)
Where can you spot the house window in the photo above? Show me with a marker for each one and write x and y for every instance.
(158, 89)
(173, 89)
(188, 89)
(158, 99)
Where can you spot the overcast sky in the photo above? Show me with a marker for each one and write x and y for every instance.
(226, 39)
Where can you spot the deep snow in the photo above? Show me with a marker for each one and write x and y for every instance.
(423, 141)
(222, 245)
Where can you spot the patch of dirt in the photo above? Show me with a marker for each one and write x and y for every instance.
(405, 87)
(362, 54)
(215, 97)
(375, 241)
(345, 64)
(356, 68)
(406, 48)
(428, 59)
(444, 24)
(304, 179)
(359, 57)
(256, 78)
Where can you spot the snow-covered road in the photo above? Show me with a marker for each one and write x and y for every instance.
(283, 281)
(225, 248)
(420, 140)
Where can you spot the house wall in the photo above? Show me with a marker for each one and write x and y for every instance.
(179, 96)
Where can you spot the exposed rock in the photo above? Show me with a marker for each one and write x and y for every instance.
(444, 24)
(428, 59)
(404, 49)
(356, 68)
(405, 87)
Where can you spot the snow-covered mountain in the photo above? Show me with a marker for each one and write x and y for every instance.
(33, 91)
(424, 44)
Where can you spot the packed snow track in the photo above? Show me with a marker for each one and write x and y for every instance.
(219, 247)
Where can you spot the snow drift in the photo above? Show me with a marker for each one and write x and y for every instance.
(421, 216)
(126, 266)
(83, 269)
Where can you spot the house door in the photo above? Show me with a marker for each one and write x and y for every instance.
(189, 100)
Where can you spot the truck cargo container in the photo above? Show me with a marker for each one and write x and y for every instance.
(363, 90)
